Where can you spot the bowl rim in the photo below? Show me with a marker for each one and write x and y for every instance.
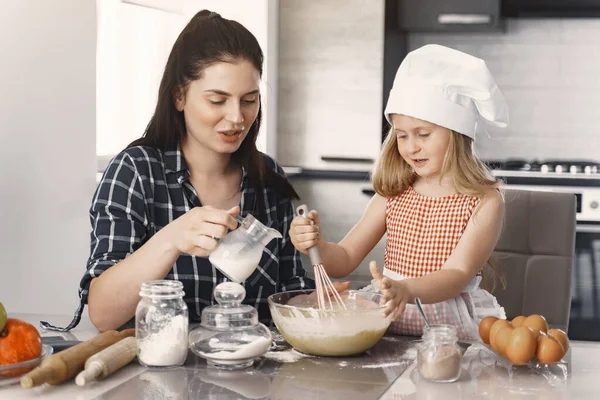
(340, 311)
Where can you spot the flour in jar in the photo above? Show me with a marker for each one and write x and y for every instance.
(236, 264)
(254, 349)
(168, 346)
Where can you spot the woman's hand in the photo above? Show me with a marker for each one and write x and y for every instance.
(198, 231)
(396, 294)
(305, 232)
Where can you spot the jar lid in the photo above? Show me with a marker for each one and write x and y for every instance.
(229, 314)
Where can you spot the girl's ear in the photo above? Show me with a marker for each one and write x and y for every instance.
(179, 99)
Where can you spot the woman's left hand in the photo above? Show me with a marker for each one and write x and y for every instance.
(396, 294)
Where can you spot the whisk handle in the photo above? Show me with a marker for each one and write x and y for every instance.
(313, 253)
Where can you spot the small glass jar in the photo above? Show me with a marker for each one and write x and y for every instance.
(161, 324)
(230, 336)
(439, 356)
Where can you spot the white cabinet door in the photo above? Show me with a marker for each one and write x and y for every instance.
(341, 203)
(330, 83)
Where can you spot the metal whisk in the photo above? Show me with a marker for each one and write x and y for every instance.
(324, 287)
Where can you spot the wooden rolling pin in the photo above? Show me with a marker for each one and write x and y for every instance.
(66, 364)
(109, 360)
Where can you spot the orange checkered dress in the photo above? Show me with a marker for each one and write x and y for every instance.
(422, 231)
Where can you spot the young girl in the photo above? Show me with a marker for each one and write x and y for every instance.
(165, 201)
(437, 202)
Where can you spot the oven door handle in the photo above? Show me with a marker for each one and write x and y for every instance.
(584, 228)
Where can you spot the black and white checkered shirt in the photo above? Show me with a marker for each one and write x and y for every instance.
(144, 189)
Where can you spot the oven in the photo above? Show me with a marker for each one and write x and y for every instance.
(582, 178)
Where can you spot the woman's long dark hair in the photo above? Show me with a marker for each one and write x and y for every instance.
(206, 40)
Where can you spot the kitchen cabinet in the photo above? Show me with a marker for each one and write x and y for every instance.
(340, 203)
(448, 15)
(330, 92)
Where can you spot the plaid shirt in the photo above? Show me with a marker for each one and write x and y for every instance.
(144, 189)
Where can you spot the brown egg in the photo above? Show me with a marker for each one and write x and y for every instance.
(495, 328)
(549, 350)
(484, 328)
(536, 322)
(561, 336)
(518, 321)
(502, 338)
(521, 346)
(536, 333)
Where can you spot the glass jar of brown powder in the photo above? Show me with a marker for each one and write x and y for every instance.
(439, 356)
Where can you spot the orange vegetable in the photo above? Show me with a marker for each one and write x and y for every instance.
(19, 341)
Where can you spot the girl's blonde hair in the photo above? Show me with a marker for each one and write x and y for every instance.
(392, 175)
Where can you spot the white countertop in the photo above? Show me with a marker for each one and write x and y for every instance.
(577, 378)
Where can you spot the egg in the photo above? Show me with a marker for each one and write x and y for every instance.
(521, 346)
(549, 350)
(561, 336)
(484, 328)
(502, 338)
(536, 322)
(495, 328)
(518, 321)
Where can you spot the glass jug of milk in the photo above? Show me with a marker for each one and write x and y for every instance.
(240, 251)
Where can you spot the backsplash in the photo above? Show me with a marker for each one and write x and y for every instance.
(549, 72)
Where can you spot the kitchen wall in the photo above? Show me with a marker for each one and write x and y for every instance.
(330, 104)
(47, 156)
(330, 77)
(548, 69)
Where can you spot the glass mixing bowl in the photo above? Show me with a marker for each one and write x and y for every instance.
(332, 332)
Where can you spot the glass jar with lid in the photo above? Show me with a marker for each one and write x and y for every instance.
(439, 356)
(229, 335)
(161, 324)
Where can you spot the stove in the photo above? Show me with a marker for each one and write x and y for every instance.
(580, 177)
(550, 168)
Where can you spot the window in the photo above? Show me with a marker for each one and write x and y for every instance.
(134, 41)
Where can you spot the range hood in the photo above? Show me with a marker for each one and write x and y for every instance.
(550, 8)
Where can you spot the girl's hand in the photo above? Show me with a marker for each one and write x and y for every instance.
(198, 231)
(396, 294)
(305, 232)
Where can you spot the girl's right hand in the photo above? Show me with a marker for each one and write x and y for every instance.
(305, 232)
(199, 230)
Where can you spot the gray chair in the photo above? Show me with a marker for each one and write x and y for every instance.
(536, 253)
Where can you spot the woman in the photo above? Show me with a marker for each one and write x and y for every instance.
(164, 202)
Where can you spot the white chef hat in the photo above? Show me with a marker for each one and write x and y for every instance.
(448, 88)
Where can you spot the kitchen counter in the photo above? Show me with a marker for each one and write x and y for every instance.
(388, 371)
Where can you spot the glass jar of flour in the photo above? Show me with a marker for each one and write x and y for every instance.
(161, 324)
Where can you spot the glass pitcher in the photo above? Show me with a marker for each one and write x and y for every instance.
(240, 251)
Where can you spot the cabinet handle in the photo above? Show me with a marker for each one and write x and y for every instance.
(464, 19)
(369, 192)
(357, 160)
(582, 228)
